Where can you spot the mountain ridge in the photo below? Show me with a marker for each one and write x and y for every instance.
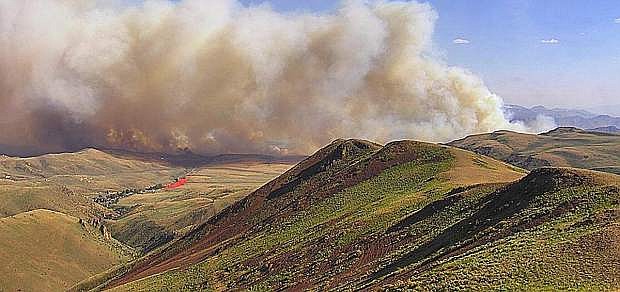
(364, 165)
(562, 147)
(413, 210)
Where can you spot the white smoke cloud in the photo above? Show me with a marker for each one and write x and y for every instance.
(215, 76)
(541, 124)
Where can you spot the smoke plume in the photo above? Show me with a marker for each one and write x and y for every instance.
(215, 76)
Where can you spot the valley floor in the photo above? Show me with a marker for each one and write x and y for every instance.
(53, 197)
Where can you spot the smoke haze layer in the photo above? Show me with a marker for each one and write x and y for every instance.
(217, 77)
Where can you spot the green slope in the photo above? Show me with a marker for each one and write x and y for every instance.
(564, 147)
(407, 216)
(556, 229)
(359, 216)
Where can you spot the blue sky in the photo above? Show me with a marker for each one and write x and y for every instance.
(530, 52)
(577, 64)
(551, 52)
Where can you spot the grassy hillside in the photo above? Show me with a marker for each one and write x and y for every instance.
(564, 147)
(556, 229)
(158, 217)
(44, 250)
(68, 183)
(65, 182)
(17, 197)
(86, 171)
(356, 215)
(85, 162)
(405, 216)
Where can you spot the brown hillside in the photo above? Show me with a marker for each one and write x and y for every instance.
(44, 250)
(562, 147)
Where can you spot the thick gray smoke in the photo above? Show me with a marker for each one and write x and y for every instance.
(215, 76)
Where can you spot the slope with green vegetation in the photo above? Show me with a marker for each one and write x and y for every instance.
(564, 147)
(44, 250)
(555, 229)
(405, 216)
(356, 215)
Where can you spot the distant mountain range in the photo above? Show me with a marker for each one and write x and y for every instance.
(563, 117)
(608, 109)
(608, 129)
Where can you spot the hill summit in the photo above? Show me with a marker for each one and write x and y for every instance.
(561, 147)
(406, 215)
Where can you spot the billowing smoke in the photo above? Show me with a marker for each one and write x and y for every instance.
(215, 76)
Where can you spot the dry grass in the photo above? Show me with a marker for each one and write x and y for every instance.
(64, 182)
(563, 147)
(470, 168)
(43, 250)
(173, 212)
